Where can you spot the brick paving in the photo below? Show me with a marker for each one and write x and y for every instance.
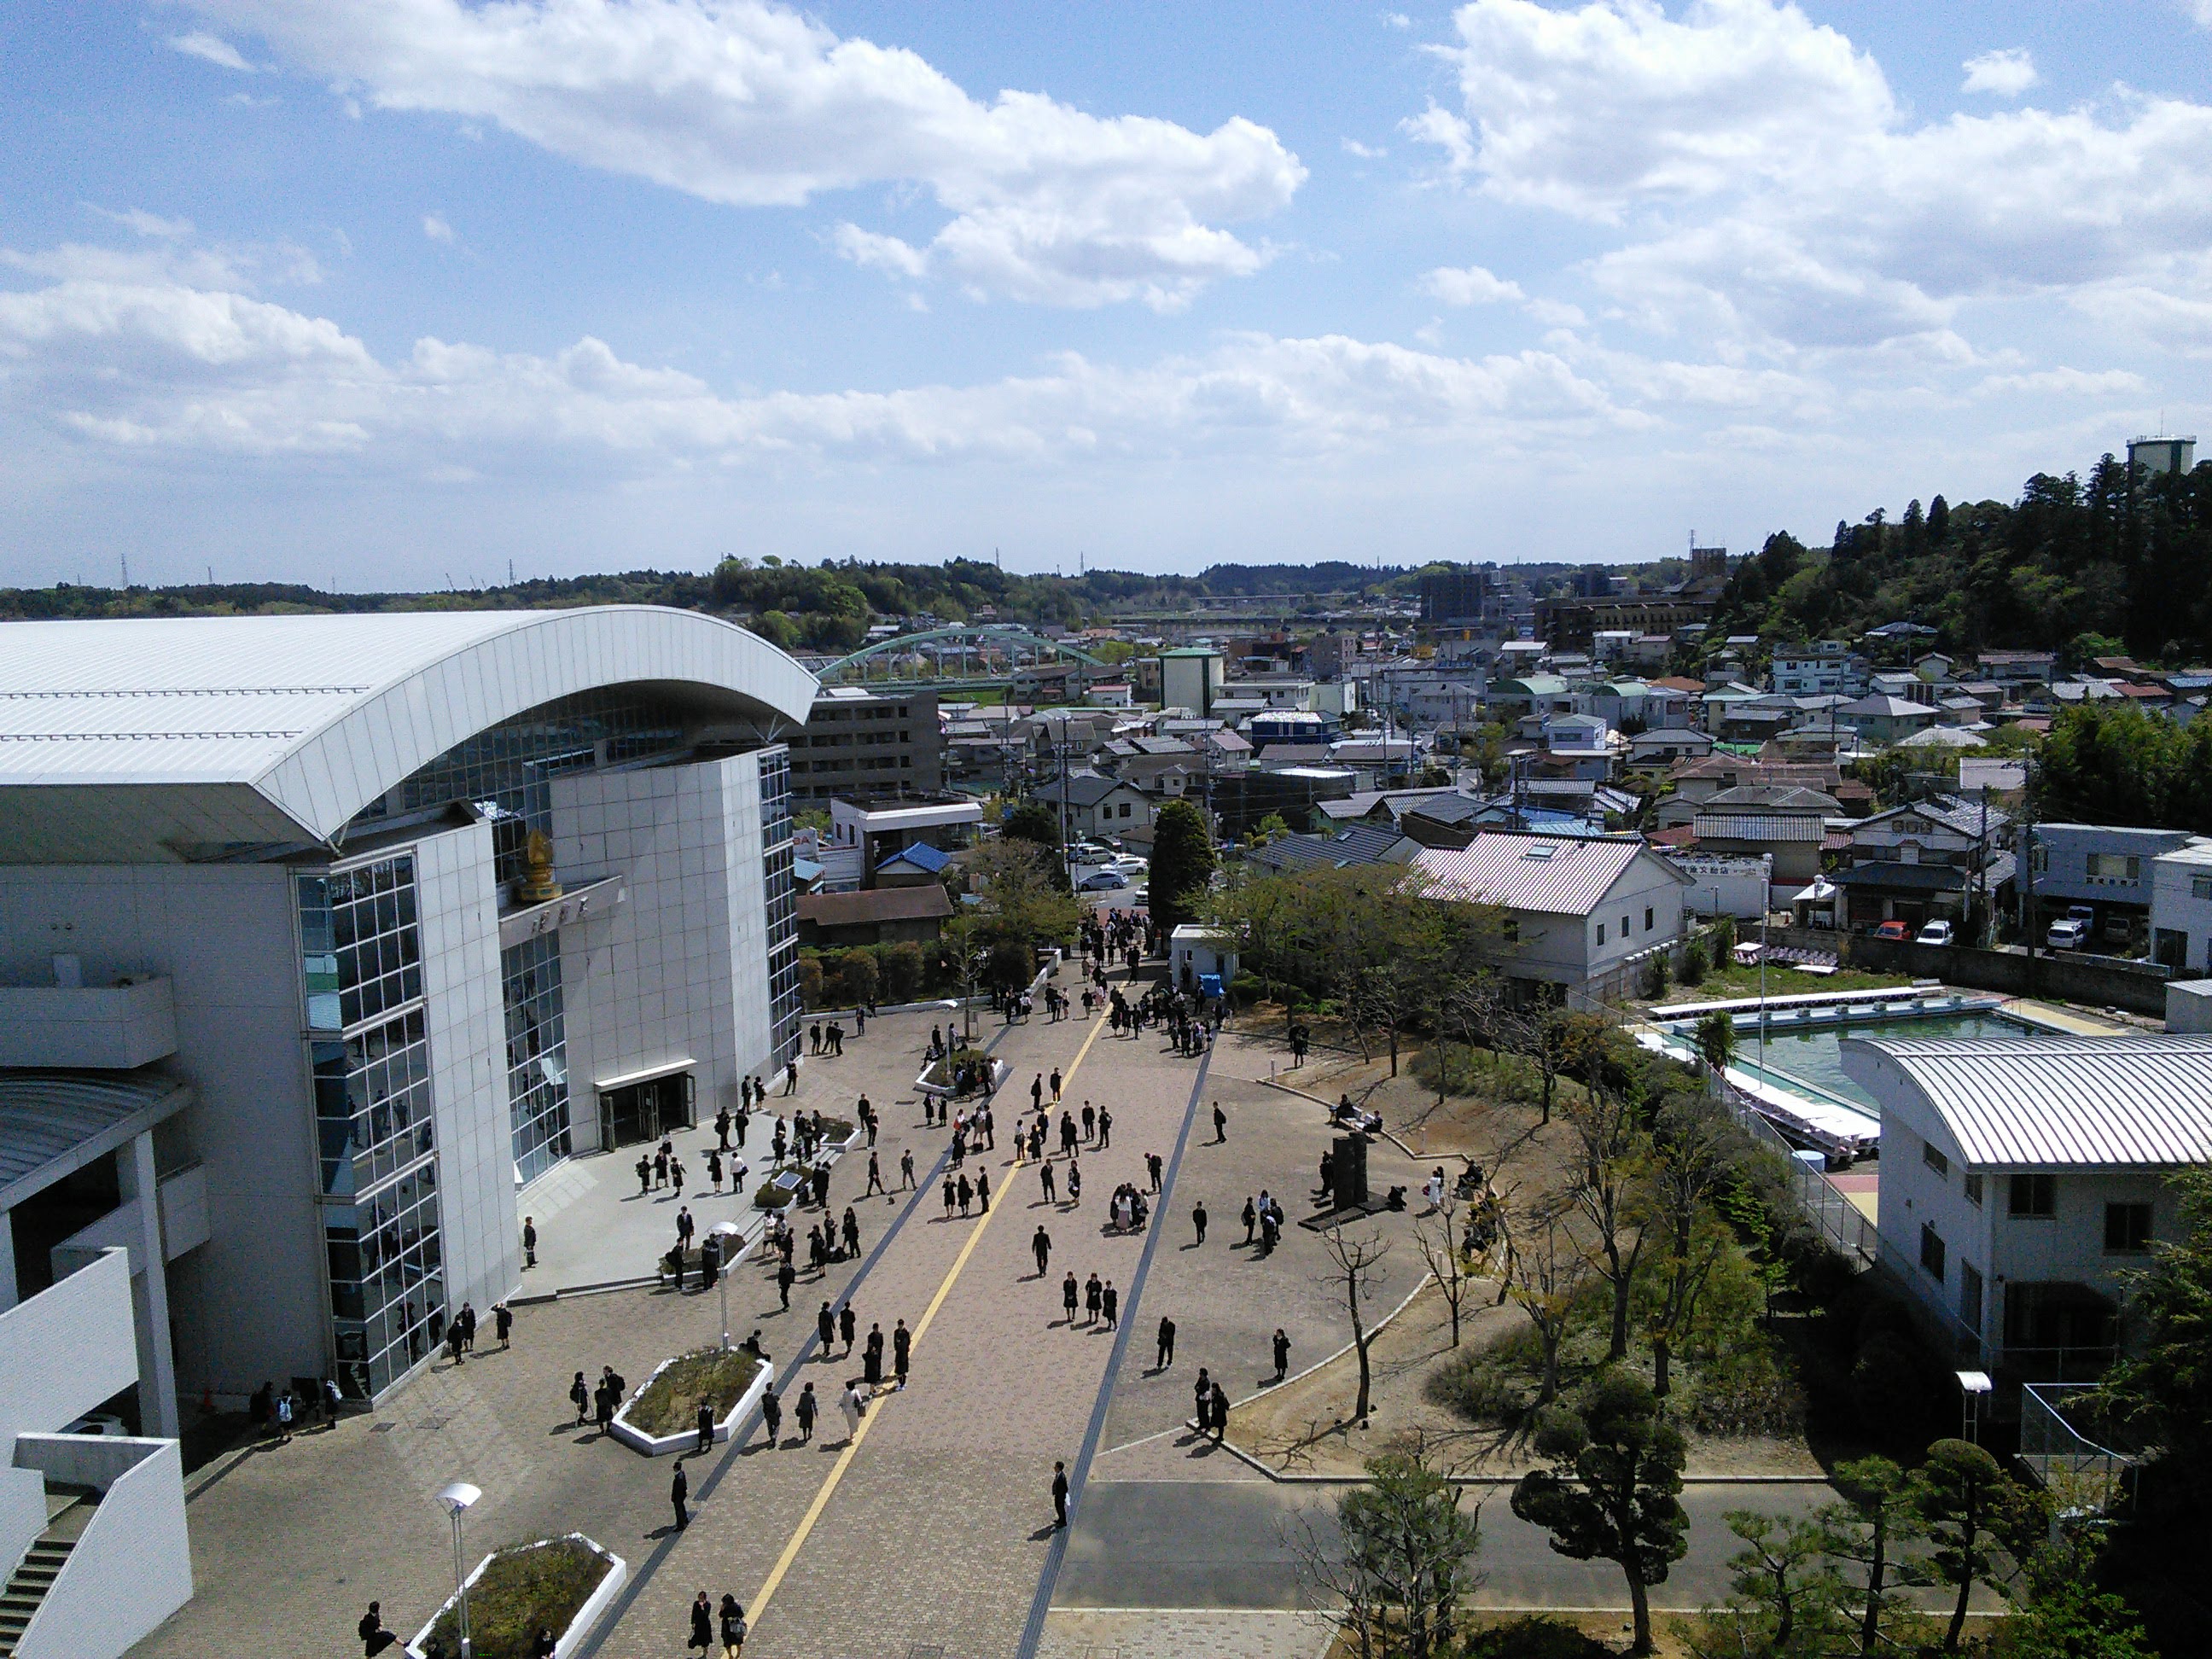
(1182, 1633)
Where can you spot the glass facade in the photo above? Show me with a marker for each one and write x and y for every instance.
(537, 1053)
(509, 767)
(361, 948)
(784, 1009)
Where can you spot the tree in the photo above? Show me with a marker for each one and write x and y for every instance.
(1033, 821)
(1273, 826)
(1693, 1157)
(1974, 1516)
(1545, 1276)
(1609, 1145)
(1867, 1533)
(1437, 1234)
(2066, 1616)
(1787, 1599)
(1183, 863)
(1023, 894)
(2162, 1389)
(1610, 1493)
(1402, 1566)
(1354, 1267)
(1717, 1038)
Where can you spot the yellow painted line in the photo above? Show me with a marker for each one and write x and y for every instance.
(783, 1562)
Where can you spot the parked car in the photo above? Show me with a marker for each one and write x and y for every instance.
(1897, 930)
(1934, 932)
(1102, 881)
(2067, 933)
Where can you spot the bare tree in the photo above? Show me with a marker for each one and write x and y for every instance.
(1694, 1155)
(1355, 1267)
(1610, 1148)
(1437, 1234)
(1545, 1274)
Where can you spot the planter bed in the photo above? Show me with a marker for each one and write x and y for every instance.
(677, 1428)
(936, 1078)
(567, 1583)
(693, 1267)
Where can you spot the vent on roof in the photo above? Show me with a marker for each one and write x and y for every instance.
(1542, 849)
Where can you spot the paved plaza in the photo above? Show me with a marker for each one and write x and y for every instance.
(930, 1529)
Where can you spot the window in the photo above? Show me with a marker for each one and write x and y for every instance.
(1969, 1297)
(1931, 1253)
(1125, 808)
(1648, 913)
(2034, 1197)
(1934, 1159)
(1624, 927)
(2127, 1229)
(2200, 887)
(1601, 932)
(1971, 1184)
(2114, 866)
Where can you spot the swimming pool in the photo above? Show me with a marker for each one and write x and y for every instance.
(1812, 1052)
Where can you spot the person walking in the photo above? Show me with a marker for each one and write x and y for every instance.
(851, 1231)
(679, 1489)
(901, 1351)
(1041, 1248)
(1110, 1304)
(848, 1323)
(771, 1415)
(733, 1628)
(1220, 1124)
(1036, 1092)
(1282, 1354)
(786, 1277)
(1069, 1292)
(1094, 1299)
(1074, 1185)
(705, 1426)
(1165, 1357)
(1048, 1181)
(983, 1191)
(875, 1178)
(374, 1638)
(826, 1328)
(952, 1197)
(675, 1175)
(855, 1405)
(1059, 1496)
(804, 1413)
(906, 1173)
(529, 1242)
(1198, 1220)
(581, 1397)
(1055, 1085)
(703, 1625)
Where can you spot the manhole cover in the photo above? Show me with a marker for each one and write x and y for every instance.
(381, 1428)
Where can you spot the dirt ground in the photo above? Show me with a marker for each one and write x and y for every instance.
(1669, 1631)
(1305, 1428)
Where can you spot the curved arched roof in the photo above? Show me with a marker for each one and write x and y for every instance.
(120, 737)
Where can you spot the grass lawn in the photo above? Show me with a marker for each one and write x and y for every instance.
(1725, 984)
(523, 1590)
(670, 1403)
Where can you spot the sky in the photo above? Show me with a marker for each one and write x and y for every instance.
(408, 294)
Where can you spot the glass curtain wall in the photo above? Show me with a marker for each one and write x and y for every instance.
(537, 1054)
(361, 953)
(784, 1009)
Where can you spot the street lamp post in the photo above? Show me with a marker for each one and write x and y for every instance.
(728, 1232)
(458, 1499)
(1766, 904)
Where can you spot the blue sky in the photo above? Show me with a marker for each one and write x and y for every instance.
(396, 295)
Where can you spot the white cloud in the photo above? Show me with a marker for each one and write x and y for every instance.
(145, 223)
(2063, 383)
(436, 228)
(2201, 10)
(124, 354)
(1364, 152)
(212, 48)
(1772, 189)
(1398, 20)
(2007, 73)
(752, 104)
(1471, 285)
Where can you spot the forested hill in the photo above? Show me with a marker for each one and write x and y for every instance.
(2092, 566)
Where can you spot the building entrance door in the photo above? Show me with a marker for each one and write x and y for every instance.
(647, 1110)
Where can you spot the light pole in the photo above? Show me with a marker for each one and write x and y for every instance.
(1766, 904)
(458, 1499)
(728, 1231)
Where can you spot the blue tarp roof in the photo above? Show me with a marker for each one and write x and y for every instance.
(922, 856)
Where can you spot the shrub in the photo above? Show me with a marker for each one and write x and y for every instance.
(1531, 1638)
(1724, 937)
(1694, 963)
(810, 980)
(1495, 1383)
(901, 967)
(670, 1403)
(857, 969)
(1655, 978)
(537, 1585)
(1011, 964)
(1744, 1391)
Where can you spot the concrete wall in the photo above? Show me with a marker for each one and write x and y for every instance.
(457, 904)
(680, 971)
(105, 1027)
(2097, 983)
(131, 1569)
(249, 1305)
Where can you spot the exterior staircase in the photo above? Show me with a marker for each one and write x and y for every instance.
(27, 1586)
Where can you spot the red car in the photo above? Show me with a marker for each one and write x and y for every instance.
(1897, 930)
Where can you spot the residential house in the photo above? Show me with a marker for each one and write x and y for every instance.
(876, 827)
(1823, 668)
(2181, 907)
(2107, 867)
(1881, 719)
(1578, 911)
(1361, 843)
(1697, 781)
(2017, 668)
(914, 866)
(1577, 746)
(1783, 824)
(1097, 805)
(2024, 1180)
(1664, 745)
(882, 916)
(1925, 860)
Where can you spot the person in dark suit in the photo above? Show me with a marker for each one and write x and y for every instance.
(705, 1426)
(1059, 1496)
(702, 1626)
(374, 1638)
(1167, 1344)
(679, 1489)
(901, 1351)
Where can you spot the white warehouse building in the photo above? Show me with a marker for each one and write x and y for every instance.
(321, 937)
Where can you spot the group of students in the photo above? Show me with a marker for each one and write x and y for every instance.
(599, 1402)
(728, 1622)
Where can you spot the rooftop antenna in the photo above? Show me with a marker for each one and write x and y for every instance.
(510, 573)
(125, 557)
